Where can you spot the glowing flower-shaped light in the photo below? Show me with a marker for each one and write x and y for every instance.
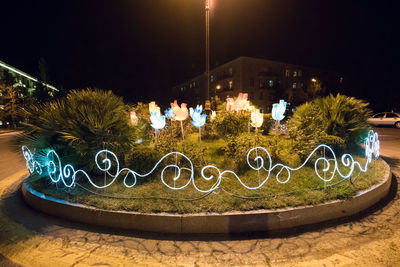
(157, 121)
(213, 115)
(198, 120)
(153, 107)
(278, 109)
(169, 114)
(134, 118)
(181, 113)
(241, 103)
(229, 104)
(256, 118)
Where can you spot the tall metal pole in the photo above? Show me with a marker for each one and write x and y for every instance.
(207, 2)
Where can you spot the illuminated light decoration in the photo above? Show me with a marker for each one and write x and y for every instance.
(134, 118)
(181, 114)
(372, 145)
(153, 107)
(198, 119)
(278, 109)
(106, 161)
(256, 118)
(157, 121)
(213, 115)
(241, 103)
(169, 114)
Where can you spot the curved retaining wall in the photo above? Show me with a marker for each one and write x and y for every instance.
(232, 222)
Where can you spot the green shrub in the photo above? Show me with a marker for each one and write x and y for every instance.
(237, 148)
(142, 159)
(80, 125)
(231, 123)
(267, 123)
(195, 153)
(338, 121)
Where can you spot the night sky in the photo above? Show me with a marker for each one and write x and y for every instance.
(141, 48)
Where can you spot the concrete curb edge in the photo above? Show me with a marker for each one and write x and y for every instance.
(206, 223)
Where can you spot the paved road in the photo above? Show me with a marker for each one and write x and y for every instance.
(32, 239)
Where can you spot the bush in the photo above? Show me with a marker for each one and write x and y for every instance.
(80, 125)
(237, 148)
(338, 121)
(231, 123)
(267, 123)
(142, 159)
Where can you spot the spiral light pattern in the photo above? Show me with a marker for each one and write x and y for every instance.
(107, 162)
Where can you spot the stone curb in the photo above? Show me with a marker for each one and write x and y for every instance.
(207, 223)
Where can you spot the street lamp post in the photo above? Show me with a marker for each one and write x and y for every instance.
(207, 7)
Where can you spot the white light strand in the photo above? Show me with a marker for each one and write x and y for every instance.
(104, 161)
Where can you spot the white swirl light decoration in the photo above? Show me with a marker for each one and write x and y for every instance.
(104, 161)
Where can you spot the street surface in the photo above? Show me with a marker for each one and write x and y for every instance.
(29, 238)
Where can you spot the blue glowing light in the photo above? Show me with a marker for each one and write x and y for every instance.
(198, 120)
(258, 159)
(169, 113)
(278, 109)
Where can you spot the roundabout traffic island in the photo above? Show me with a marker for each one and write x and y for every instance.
(322, 188)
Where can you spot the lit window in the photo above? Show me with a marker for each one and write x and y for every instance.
(190, 85)
(294, 85)
(271, 83)
(230, 84)
(181, 89)
(212, 78)
(294, 73)
(341, 80)
(287, 73)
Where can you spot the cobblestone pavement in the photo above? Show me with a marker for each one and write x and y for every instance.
(32, 239)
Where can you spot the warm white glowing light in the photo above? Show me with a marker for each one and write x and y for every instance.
(213, 115)
(256, 118)
(181, 113)
(134, 118)
(241, 103)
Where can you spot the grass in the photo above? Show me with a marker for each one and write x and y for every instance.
(150, 195)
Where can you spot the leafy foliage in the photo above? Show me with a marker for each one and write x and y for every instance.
(81, 124)
(231, 123)
(339, 121)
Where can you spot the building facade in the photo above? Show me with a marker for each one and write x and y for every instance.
(17, 78)
(265, 81)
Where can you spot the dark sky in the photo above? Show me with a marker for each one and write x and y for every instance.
(141, 48)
